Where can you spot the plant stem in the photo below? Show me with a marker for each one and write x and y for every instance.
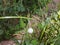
(9, 17)
(42, 33)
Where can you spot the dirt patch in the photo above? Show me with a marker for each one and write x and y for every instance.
(7, 42)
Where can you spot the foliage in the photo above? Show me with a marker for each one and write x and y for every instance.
(49, 25)
(16, 8)
(49, 32)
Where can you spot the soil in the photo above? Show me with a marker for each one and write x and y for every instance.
(7, 42)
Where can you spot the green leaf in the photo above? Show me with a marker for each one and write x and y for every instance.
(41, 25)
(34, 42)
(27, 42)
(22, 24)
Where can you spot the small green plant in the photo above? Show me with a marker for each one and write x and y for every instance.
(49, 30)
(7, 31)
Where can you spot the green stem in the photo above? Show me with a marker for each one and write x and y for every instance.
(9, 17)
(42, 33)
